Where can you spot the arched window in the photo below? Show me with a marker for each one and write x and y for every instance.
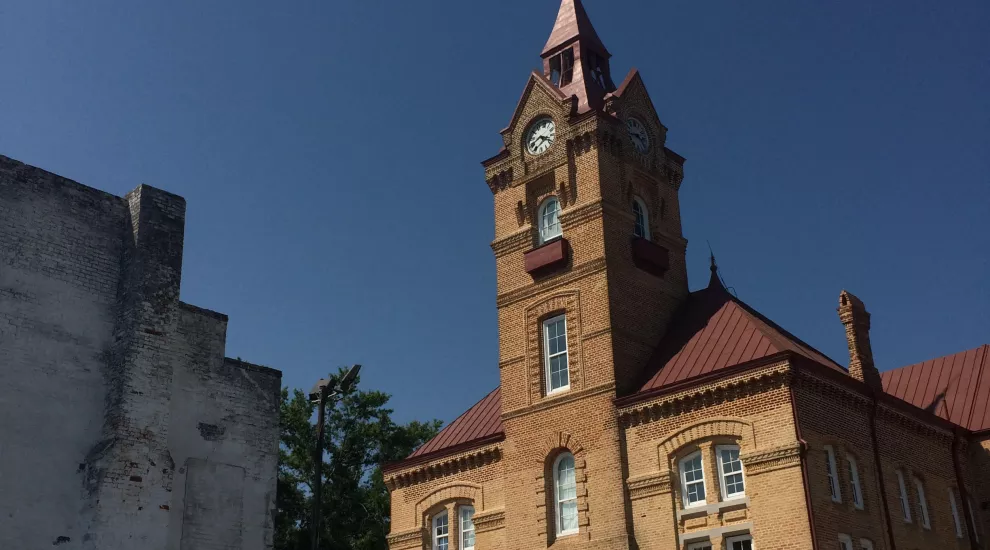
(549, 219)
(692, 480)
(466, 523)
(565, 494)
(730, 471)
(642, 219)
(441, 532)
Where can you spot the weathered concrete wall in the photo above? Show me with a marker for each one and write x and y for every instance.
(122, 424)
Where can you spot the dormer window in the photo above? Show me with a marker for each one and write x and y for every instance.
(562, 68)
(549, 220)
(642, 228)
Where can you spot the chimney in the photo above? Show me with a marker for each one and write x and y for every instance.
(856, 319)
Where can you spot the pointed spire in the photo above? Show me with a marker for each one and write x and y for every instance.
(575, 60)
(715, 281)
(572, 24)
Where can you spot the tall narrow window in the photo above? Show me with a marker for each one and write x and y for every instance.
(905, 504)
(549, 220)
(555, 344)
(955, 513)
(466, 522)
(922, 504)
(565, 494)
(833, 475)
(845, 542)
(741, 542)
(730, 471)
(440, 531)
(972, 518)
(854, 485)
(692, 480)
(562, 68)
(641, 215)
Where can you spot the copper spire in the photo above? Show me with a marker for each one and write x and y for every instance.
(573, 24)
(575, 59)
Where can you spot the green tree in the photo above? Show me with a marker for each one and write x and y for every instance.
(360, 437)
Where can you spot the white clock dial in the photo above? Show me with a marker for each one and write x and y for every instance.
(540, 136)
(638, 134)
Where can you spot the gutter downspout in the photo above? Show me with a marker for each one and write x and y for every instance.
(879, 469)
(963, 494)
(804, 464)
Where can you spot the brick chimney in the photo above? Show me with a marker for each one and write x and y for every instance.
(856, 319)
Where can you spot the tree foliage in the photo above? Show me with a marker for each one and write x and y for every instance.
(360, 437)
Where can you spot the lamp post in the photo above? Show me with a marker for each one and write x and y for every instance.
(320, 393)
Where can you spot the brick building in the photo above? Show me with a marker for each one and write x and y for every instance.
(122, 424)
(634, 414)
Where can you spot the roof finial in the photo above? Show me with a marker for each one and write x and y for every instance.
(715, 281)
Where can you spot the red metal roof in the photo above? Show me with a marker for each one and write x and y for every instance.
(713, 331)
(572, 23)
(481, 421)
(954, 387)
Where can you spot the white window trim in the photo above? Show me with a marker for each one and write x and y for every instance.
(699, 545)
(845, 541)
(460, 526)
(857, 488)
(919, 487)
(833, 474)
(955, 513)
(721, 473)
(866, 544)
(739, 538)
(435, 537)
(556, 496)
(684, 491)
(547, 356)
(905, 503)
(972, 518)
(646, 218)
(543, 239)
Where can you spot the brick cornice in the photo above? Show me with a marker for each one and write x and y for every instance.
(403, 475)
(411, 538)
(649, 485)
(528, 291)
(489, 520)
(513, 242)
(576, 215)
(768, 460)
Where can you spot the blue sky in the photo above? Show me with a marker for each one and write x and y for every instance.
(329, 153)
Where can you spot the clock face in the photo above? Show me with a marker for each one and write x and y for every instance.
(540, 136)
(638, 134)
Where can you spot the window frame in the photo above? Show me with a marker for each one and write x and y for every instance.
(859, 502)
(461, 510)
(740, 538)
(644, 212)
(544, 238)
(846, 542)
(682, 473)
(955, 513)
(558, 516)
(721, 472)
(905, 501)
(700, 545)
(833, 474)
(866, 544)
(972, 518)
(547, 356)
(919, 492)
(433, 532)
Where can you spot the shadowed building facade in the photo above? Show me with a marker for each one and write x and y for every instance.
(122, 423)
(634, 414)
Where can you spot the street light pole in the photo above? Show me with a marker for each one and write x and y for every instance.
(320, 394)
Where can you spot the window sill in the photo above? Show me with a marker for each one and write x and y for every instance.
(567, 534)
(716, 507)
(650, 257)
(547, 257)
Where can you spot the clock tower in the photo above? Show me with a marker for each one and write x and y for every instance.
(590, 266)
